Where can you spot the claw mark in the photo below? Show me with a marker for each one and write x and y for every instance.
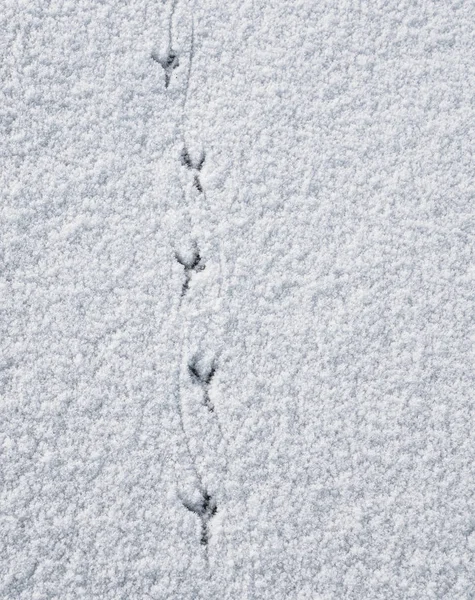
(185, 159)
(197, 184)
(201, 162)
(191, 266)
(195, 263)
(194, 373)
(210, 374)
(205, 509)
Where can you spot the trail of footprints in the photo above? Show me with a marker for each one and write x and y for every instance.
(200, 370)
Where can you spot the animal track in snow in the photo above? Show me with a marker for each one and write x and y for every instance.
(201, 374)
(187, 161)
(169, 62)
(192, 265)
(201, 370)
(205, 509)
(197, 184)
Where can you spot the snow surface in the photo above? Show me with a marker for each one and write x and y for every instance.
(237, 299)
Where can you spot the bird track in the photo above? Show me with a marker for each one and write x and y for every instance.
(195, 265)
(202, 376)
(205, 509)
(200, 371)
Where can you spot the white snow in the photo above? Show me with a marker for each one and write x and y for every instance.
(242, 371)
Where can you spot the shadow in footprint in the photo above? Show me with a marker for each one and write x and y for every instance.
(169, 62)
(188, 162)
(201, 374)
(197, 184)
(191, 265)
(205, 508)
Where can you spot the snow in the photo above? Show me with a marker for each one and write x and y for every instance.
(237, 298)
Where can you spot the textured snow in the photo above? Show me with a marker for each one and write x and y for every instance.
(237, 300)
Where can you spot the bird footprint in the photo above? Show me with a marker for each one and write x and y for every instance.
(187, 161)
(169, 62)
(192, 265)
(205, 509)
(202, 374)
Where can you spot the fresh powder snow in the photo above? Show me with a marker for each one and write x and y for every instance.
(237, 300)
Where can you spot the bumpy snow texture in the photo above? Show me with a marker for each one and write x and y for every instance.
(237, 299)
